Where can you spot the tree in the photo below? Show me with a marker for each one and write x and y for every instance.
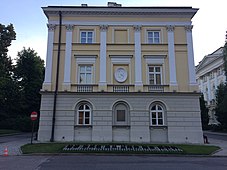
(29, 72)
(9, 93)
(221, 105)
(204, 113)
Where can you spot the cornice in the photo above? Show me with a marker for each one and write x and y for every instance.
(167, 94)
(106, 11)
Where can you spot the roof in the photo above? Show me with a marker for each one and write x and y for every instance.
(210, 58)
(101, 10)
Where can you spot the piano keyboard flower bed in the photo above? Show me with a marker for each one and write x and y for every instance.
(122, 148)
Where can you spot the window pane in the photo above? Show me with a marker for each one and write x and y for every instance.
(151, 78)
(82, 69)
(159, 108)
(82, 78)
(81, 107)
(158, 79)
(83, 40)
(157, 69)
(87, 115)
(160, 122)
(87, 121)
(154, 122)
(89, 40)
(159, 114)
(150, 34)
(156, 40)
(153, 115)
(83, 34)
(156, 35)
(121, 115)
(154, 107)
(150, 40)
(151, 69)
(88, 78)
(89, 34)
(88, 68)
(87, 107)
(80, 117)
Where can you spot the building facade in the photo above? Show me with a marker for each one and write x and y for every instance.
(210, 74)
(120, 74)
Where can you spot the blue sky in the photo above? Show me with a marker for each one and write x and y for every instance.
(30, 22)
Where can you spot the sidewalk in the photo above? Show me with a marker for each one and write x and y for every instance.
(218, 142)
(14, 146)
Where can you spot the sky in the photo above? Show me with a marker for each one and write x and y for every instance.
(210, 22)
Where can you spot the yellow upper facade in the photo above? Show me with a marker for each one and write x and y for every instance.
(120, 49)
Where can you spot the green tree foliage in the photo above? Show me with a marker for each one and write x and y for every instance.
(29, 72)
(204, 113)
(221, 105)
(19, 84)
(9, 92)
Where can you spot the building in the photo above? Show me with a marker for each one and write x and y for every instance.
(124, 74)
(209, 74)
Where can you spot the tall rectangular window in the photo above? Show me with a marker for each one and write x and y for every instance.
(153, 37)
(86, 37)
(155, 75)
(85, 74)
(120, 115)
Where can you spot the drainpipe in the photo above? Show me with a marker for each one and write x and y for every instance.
(57, 77)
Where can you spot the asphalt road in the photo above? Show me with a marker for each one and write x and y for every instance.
(23, 136)
(108, 162)
(216, 136)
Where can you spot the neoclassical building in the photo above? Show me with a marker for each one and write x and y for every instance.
(209, 74)
(120, 74)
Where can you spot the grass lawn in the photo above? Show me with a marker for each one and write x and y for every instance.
(58, 148)
(7, 131)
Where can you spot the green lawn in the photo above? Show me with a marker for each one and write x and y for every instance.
(58, 148)
(7, 131)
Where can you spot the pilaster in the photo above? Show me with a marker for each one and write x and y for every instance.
(209, 90)
(172, 60)
(103, 36)
(68, 54)
(138, 60)
(191, 64)
(49, 58)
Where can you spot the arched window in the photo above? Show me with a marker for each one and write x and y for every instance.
(121, 113)
(84, 114)
(157, 115)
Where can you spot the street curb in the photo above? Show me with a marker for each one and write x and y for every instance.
(11, 134)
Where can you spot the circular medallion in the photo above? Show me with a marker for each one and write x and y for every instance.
(120, 75)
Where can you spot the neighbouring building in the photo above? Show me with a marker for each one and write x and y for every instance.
(124, 74)
(209, 74)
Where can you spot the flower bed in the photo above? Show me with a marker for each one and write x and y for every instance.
(121, 148)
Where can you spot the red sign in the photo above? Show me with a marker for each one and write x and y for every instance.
(34, 116)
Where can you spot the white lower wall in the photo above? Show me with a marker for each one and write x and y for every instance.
(183, 121)
(159, 135)
(121, 134)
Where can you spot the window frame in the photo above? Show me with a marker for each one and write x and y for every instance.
(127, 113)
(91, 72)
(157, 111)
(155, 74)
(153, 37)
(84, 110)
(86, 37)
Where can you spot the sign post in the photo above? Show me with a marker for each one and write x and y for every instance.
(34, 116)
